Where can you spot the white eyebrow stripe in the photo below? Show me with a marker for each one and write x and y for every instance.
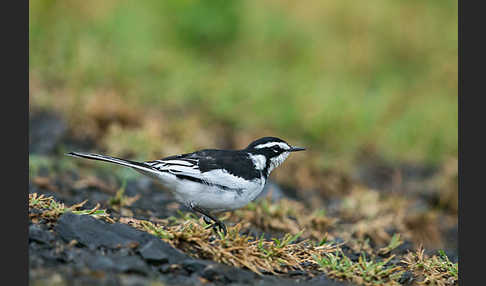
(271, 144)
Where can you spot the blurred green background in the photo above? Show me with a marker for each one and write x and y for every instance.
(342, 78)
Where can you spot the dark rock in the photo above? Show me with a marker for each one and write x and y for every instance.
(194, 265)
(182, 280)
(94, 233)
(100, 262)
(69, 255)
(165, 268)
(406, 278)
(132, 264)
(117, 263)
(217, 272)
(213, 273)
(225, 273)
(174, 256)
(154, 251)
(403, 248)
(36, 233)
(46, 130)
(133, 280)
(49, 256)
(326, 281)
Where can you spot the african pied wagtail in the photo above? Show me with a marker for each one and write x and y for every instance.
(213, 180)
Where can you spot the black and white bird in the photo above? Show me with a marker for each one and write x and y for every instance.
(213, 180)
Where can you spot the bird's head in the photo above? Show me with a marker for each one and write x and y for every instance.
(269, 152)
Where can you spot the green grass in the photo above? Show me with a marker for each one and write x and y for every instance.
(53, 209)
(341, 77)
(394, 243)
(364, 271)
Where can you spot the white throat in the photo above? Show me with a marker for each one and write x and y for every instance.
(259, 161)
(276, 161)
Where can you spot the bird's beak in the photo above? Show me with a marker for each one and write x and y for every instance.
(294, 149)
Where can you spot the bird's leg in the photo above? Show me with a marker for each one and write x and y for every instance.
(207, 217)
(207, 220)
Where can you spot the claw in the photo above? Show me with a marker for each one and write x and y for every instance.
(219, 226)
(215, 225)
(208, 219)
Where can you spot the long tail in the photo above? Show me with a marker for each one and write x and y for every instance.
(132, 164)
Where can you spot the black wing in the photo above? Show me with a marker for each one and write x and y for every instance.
(194, 164)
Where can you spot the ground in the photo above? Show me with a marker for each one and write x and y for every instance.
(88, 224)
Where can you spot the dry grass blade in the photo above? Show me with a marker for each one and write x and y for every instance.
(435, 270)
(394, 243)
(234, 249)
(51, 209)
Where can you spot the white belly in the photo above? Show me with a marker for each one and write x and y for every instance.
(237, 194)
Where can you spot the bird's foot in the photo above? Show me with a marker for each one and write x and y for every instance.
(221, 226)
(215, 224)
